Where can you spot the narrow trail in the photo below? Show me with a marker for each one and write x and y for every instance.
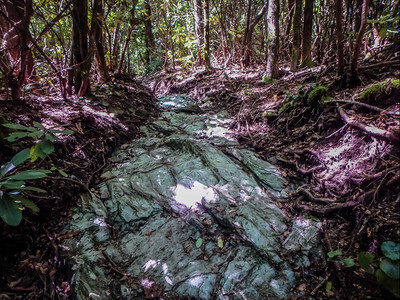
(185, 212)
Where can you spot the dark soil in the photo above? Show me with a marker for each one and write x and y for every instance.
(301, 139)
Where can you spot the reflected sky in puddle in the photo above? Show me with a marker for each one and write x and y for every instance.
(190, 195)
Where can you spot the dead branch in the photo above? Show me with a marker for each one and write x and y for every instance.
(380, 65)
(374, 131)
(352, 102)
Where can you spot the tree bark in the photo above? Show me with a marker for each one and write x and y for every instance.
(199, 30)
(289, 17)
(149, 36)
(296, 35)
(248, 36)
(14, 21)
(80, 47)
(207, 54)
(98, 38)
(272, 70)
(354, 79)
(306, 59)
(339, 36)
(128, 37)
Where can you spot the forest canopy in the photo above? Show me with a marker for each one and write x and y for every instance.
(67, 45)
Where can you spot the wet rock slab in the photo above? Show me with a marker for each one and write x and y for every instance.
(186, 213)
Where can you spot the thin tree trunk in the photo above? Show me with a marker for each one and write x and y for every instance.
(354, 79)
(98, 38)
(272, 70)
(128, 37)
(149, 36)
(248, 42)
(199, 30)
(296, 35)
(80, 47)
(289, 17)
(306, 59)
(207, 53)
(339, 35)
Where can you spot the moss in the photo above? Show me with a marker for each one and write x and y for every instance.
(285, 106)
(269, 114)
(395, 83)
(379, 90)
(317, 93)
(267, 79)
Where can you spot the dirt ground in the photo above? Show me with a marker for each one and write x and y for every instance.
(351, 174)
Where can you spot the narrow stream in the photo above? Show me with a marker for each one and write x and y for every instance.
(187, 213)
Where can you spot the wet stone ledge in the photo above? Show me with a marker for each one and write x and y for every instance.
(186, 213)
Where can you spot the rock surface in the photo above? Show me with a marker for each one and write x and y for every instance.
(186, 213)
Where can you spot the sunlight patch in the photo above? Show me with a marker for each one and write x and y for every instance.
(193, 194)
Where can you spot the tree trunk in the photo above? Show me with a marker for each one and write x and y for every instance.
(80, 47)
(289, 18)
(248, 36)
(149, 36)
(272, 70)
(207, 53)
(15, 20)
(354, 79)
(199, 30)
(339, 35)
(306, 59)
(98, 38)
(296, 35)
(128, 37)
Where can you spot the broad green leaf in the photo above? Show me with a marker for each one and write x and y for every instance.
(15, 136)
(365, 260)
(332, 254)
(29, 174)
(391, 250)
(348, 262)
(66, 131)
(199, 242)
(9, 211)
(46, 146)
(38, 125)
(220, 242)
(388, 283)
(18, 159)
(62, 173)
(391, 268)
(13, 184)
(51, 137)
(15, 126)
(25, 202)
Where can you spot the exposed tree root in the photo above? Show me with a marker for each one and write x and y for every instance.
(352, 102)
(374, 131)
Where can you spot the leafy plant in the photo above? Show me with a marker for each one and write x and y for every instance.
(387, 270)
(43, 137)
(11, 186)
(13, 180)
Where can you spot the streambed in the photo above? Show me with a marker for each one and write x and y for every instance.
(185, 212)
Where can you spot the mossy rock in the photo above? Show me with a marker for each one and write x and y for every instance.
(285, 106)
(385, 92)
(317, 94)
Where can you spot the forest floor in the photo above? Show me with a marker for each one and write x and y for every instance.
(346, 153)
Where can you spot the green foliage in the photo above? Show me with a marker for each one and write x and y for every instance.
(12, 176)
(43, 137)
(12, 184)
(388, 272)
(155, 65)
